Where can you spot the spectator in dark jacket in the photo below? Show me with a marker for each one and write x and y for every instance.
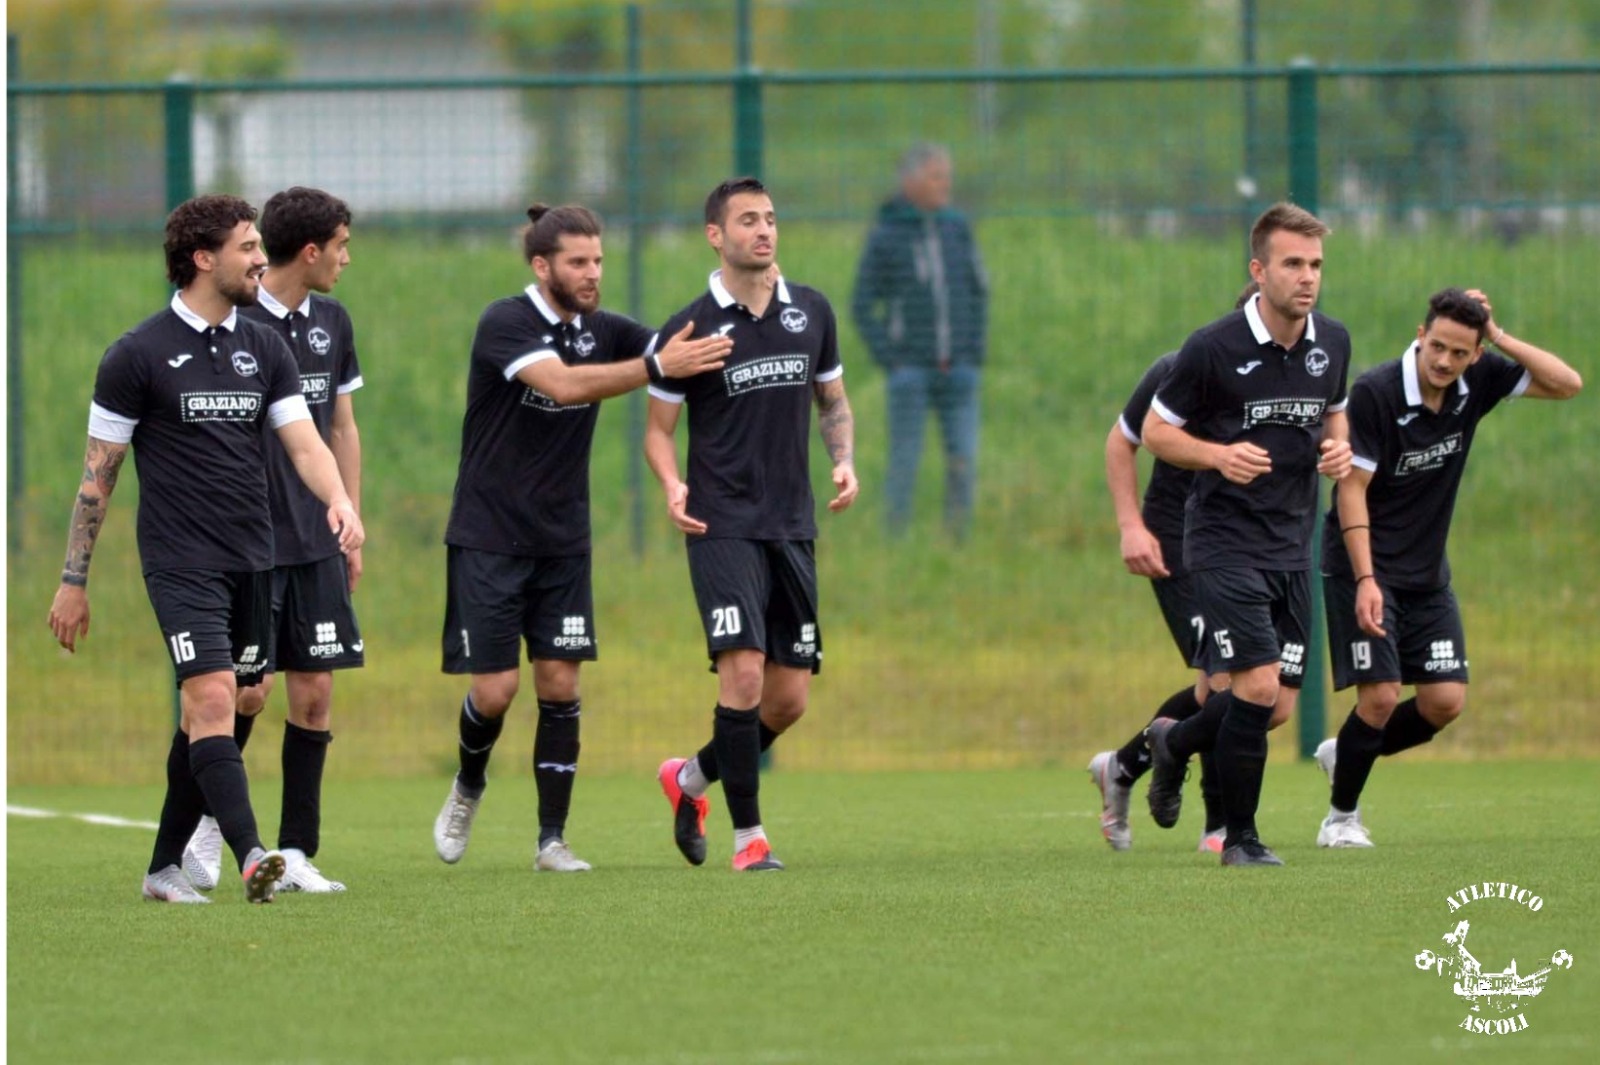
(921, 305)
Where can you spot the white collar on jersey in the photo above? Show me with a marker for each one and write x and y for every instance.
(724, 298)
(1259, 328)
(278, 310)
(197, 323)
(1410, 378)
(543, 308)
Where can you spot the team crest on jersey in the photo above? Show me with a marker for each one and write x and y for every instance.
(320, 341)
(1317, 362)
(584, 345)
(794, 319)
(244, 364)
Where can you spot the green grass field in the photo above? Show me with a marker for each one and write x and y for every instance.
(924, 918)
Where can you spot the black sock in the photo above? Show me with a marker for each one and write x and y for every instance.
(1133, 758)
(478, 734)
(180, 811)
(242, 726)
(1359, 746)
(555, 764)
(304, 753)
(219, 771)
(1198, 732)
(1406, 728)
(1211, 791)
(1241, 750)
(736, 736)
(707, 756)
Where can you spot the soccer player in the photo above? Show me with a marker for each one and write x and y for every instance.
(1392, 617)
(518, 535)
(306, 236)
(1152, 546)
(191, 389)
(747, 507)
(1254, 402)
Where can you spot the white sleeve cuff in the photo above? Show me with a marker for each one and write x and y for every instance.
(832, 375)
(528, 360)
(1166, 414)
(1522, 385)
(1339, 406)
(666, 397)
(110, 426)
(1362, 463)
(1131, 436)
(286, 410)
(351, 385)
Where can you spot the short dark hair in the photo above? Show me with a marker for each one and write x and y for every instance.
(202, 224)
(1289, 216)
(717, 202)
(1456, 305)
(298, 216)
(547, 225)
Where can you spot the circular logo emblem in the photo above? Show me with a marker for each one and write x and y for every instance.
(319, 340)
(793, 319)
(1317, 362)
(584, 345)
(244, 364)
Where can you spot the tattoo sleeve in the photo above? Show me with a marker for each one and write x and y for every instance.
(837, 424)
(102, 462)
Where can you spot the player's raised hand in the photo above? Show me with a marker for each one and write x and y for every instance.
(678, 510)
(69, 615)
(1490, 328)
(1369, 607)
(346, 525)
(1141, 553)
(844, 479)
(1334, 462)
(1244, 462)
(682, 357)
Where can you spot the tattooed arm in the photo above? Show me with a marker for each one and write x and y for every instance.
(69, 614)
(838, 428)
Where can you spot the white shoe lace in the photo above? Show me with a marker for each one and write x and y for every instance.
(458, 822)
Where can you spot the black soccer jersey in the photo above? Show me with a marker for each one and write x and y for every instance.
(523, 484)
(322, 339)
(193, 401)
(1416, 457)
(1232, 382)
(1169, 485)
(749, 423)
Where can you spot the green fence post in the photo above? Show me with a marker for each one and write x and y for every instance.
(180, 140)
(747, 120)
(16, 470)
(1303, 191)
(635, 196)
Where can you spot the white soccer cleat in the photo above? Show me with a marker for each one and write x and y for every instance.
(556, 857)
(202, 857)
(300, 875)
(1113, 801)
(452, 829)
(1327, 754)
(261, 873)
(1211, 842)
(170, 885)
(1343, 830)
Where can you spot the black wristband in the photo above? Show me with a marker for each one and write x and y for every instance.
(652, 367)
(1366, 577)
(1353, 528)
(77, 580)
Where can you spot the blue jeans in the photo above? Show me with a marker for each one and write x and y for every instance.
(953, 395)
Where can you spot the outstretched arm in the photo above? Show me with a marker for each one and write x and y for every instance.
(838, 427)
(679, 357)
(1552, 378)
(69, 613)
(1141, 551)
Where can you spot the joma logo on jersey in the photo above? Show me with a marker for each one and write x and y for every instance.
(532, 397)
(574, 632)
(220, 406)
(1428, 458)
(327, 637)
(772, 372)
(1296, 412)
(315, 387)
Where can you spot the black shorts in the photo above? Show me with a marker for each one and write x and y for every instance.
(214, 621)
(314, 626)
(1255, 617)
(1185, 620)
(758, 595)
(1426, 643)
(494, 603)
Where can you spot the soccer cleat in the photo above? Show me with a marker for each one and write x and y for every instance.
(556, 857)
(262, 871)
(756, 857)
(202, 857)
(1113, 801)
(453, 827)
(1249, 851)
(170, 885)
(1327, 754)
(688, 814)
(1340, 829)
(1166, 775)
(300, 875)
(1211, 842)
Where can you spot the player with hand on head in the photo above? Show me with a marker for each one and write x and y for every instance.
(1393, 619)
(747, 508)
(518, 539)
